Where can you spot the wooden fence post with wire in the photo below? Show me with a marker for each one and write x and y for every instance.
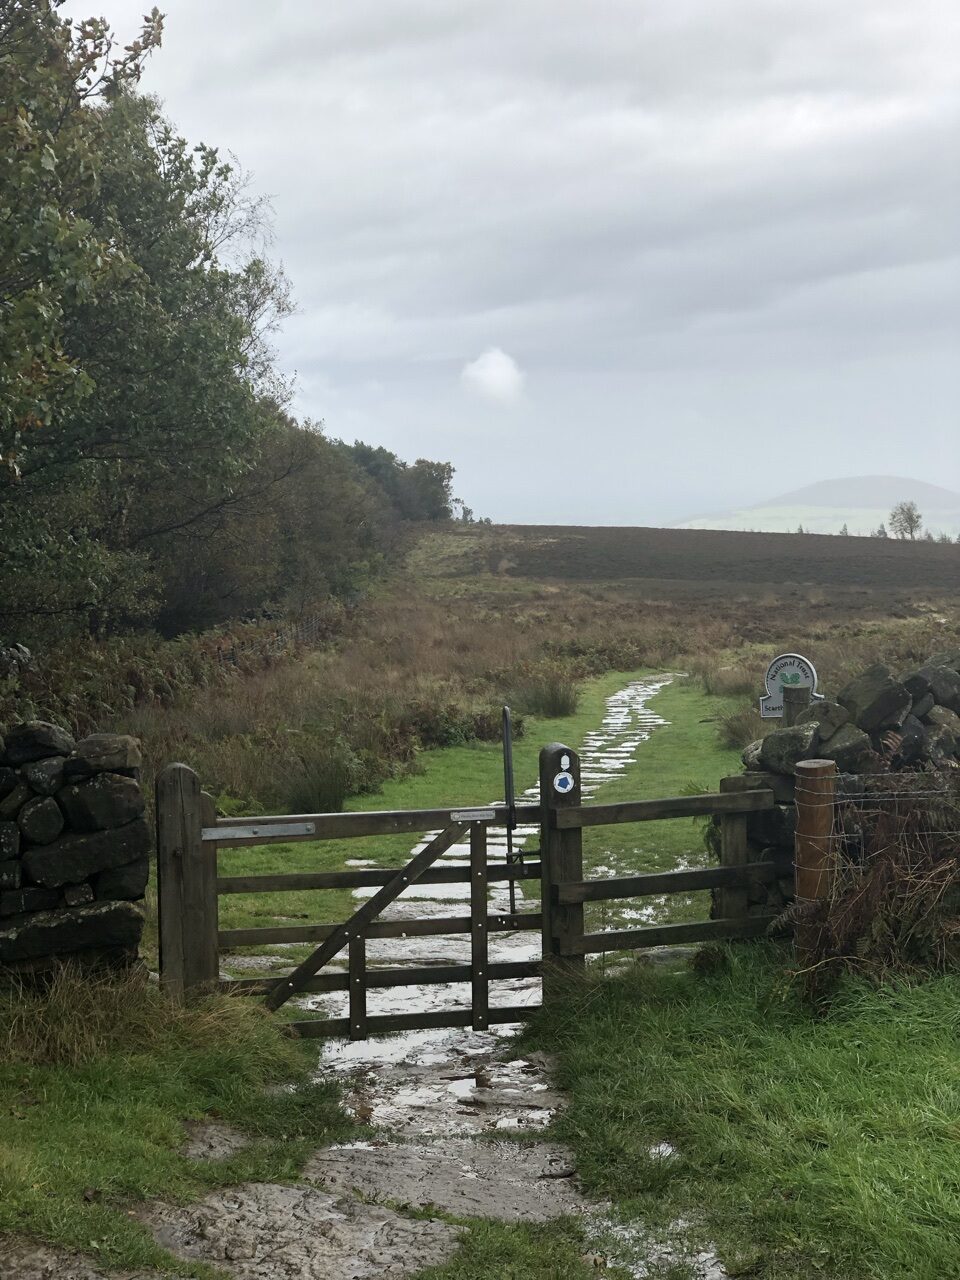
(814, 853)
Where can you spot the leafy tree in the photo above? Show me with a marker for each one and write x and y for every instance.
(51, 257)
(905, 520)
(881, 531)
(845, 532)
(149, 471)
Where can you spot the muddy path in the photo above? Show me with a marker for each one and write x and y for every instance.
(446, 1108)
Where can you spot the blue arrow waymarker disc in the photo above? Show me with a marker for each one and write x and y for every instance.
(563, 782)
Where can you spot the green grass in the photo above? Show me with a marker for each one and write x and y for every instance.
(98, 1127)
(465, 775)
(681, 756)
(554, 1250)
(809, 1142)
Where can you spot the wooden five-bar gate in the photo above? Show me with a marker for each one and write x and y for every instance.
(189, 834)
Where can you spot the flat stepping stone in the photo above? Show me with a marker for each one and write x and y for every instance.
(510, 1181)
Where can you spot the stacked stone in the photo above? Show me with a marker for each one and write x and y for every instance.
(877, 724)
(74, 847)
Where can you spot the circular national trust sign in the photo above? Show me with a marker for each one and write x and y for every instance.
(789, 669)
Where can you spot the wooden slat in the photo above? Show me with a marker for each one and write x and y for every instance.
(367, 877)
(381, 1023)
(357, 974)
(602, 815)
(345, 826)
(379, 929)
(667, 882)
(664, 935)
(366, 914)
(479, 990)
(428, 975)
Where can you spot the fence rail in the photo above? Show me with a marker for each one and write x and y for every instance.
(190, 836)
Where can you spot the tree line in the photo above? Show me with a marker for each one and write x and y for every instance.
(906, 523)
(151, 473)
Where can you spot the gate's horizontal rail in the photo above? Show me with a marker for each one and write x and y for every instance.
(344, 826)
(666, 882)
(664, 935)
(366, 877)
(322, 1027)
(423, 976)
(379, 929)
(602, 815)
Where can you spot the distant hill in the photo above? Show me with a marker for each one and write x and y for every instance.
(859, 502)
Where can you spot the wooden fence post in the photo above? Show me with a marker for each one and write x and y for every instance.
(813, 857)
(733, 903)
(796, 699)
(561, 857)
(186, 886)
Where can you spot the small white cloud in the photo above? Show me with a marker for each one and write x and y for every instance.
(494, 376)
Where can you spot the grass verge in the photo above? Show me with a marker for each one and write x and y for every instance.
(684, 755)
(808, 1142)
(96, 1082)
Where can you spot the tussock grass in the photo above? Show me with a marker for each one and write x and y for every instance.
(520, 1251)
(549, 692)
(809, 1141)
(95, 1084)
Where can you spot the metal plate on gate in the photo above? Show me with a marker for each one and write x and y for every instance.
(473, 815)
(261, 830)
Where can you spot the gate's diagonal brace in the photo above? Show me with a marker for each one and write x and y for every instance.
(415, 868)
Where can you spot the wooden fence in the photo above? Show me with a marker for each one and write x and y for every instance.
(189, 835)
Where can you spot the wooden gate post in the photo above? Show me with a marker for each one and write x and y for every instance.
(733, 902)
(813, 857)
(186, 886)
(561, 858)
(796, 699)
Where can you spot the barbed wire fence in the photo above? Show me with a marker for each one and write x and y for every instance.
(890, 896)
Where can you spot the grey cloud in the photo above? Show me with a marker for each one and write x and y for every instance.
(716, 220)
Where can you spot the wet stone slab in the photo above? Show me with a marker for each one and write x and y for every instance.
(513, 1182)
(263, 1231)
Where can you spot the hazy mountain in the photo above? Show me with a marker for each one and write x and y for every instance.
(859, 502)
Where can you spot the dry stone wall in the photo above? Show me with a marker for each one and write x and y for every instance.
(74, 848)
(879, 727)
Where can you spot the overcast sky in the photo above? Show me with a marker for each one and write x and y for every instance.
(620, 261)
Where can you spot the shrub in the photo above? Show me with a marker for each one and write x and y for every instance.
(546, 691)
(742, 726)
(77, 1017)
(894, 901)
